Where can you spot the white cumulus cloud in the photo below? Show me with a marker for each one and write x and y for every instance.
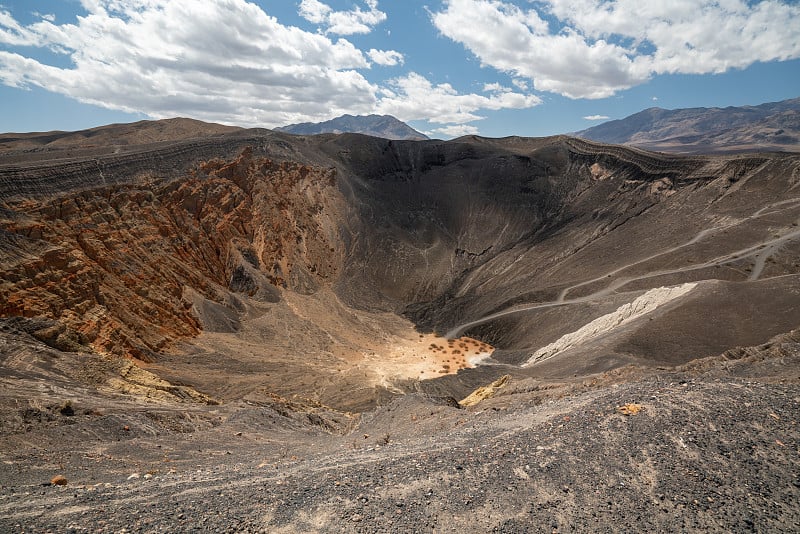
(228, 62)
(595, 48)
(349, 22)
(596, 117)
(45, 16)
(314, 11)
(414, 97)
(495, 88)
(520, 84)
(387, 58)
(457, 130)
(13, 33)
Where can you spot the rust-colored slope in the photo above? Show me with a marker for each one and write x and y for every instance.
(111, 265)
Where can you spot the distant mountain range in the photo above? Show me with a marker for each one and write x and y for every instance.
(384, 126)
(767, 127)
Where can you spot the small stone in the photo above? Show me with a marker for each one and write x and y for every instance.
(58, 480)
(355, 518)
(133, 476)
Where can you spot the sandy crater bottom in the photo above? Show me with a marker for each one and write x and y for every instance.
(317, 348)
(428, 356)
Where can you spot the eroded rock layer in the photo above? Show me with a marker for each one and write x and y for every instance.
(116, 266)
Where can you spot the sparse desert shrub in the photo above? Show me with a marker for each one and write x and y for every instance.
(66, 408)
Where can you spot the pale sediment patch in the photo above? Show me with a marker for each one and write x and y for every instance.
(626, 313)
(134, 380)
(428, 356)
(479, 357)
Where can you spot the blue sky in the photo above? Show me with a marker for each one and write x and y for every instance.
(447, 67)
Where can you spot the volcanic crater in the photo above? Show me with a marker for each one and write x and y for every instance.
(311, 309)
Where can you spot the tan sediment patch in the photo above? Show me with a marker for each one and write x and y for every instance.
(599, 172)
(385, 346)
(132, 379)
(485, 392)
(426, 356)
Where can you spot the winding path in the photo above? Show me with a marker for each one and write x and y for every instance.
(761, 251)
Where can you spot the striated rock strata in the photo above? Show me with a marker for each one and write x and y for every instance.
(112, 265)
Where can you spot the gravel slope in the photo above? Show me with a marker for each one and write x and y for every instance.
(708, 451)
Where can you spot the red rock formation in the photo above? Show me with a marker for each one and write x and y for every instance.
(111, 264)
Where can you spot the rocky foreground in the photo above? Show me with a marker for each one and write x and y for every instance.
(710, 446)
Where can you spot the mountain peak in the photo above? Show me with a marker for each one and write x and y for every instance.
(384, 126)
(766, 127)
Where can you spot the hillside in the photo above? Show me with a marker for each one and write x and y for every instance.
(252, 330)
(136, 133)
(767, 127)
(384, 126)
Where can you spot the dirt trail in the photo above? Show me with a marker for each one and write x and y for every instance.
(695, 239)
(761, 251)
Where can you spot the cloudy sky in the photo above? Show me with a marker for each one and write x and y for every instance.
(447, 67)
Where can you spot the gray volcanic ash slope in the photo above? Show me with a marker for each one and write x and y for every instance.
(280, 325)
